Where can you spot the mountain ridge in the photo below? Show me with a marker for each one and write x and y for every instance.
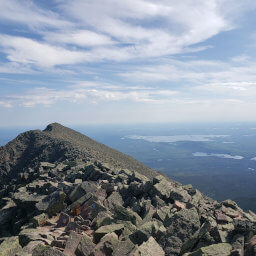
(65, 140)
(64, 194)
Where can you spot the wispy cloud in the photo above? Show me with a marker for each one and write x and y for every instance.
(29, 14)
(87, 92)
(110, 30)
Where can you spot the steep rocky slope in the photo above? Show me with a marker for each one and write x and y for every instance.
(65, 194)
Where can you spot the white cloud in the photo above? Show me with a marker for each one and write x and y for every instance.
(26, 12)
(88, 92)
(28, 51)
(80, 37)
(115, 30)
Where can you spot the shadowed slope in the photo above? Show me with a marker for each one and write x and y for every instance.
(57, 143)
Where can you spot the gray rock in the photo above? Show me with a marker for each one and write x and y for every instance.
(106, 246)
(42, 250)
(39, 220)
(102, 231)
(149, 248)
(85, 246)
(7, 212)
(180, 228)
(64, 220)
(122, 213)
(222, 249)
(53, 203)
(124, 248)
(72, 243)
(28, 235)
(10, 246)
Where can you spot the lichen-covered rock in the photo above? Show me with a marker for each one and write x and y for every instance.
(106, 246)
(85, 246)
(28, 235)
(10, 246)
(251, 247)
(53, 203)
(7, 212)
(102, 231)
(72, 243)
(42, 250)
(39, 220)
(145, 231)
(223, 249)
(124, 248)
(114, 199)
(180, 227)
(64, 220)
(149, 248)
(121, 213)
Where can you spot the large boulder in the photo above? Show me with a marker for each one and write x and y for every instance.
(181, 226)
(106, 246)
(8, 210)
(85, 246)
(102, 231)
(28, 235)
(122, 213)
(53, 203)
(149, 248)
(72, 243)
(81, 190)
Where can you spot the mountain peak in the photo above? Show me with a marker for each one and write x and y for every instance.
(53, 126)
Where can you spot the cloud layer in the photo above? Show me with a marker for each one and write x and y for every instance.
(158, 53)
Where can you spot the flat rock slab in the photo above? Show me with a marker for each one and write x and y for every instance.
(72, 243)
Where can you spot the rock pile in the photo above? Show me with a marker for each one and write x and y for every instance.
(87, 207)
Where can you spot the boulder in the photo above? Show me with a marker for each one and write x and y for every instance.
(244, 225)
(81, 190)
(124, 248)
(114, 199)
(7, 212)
(161, 213)
(223, 249)
(181, 227)
(149, 248)
(121, 213)
(238, 245)
(28, 235)
(42, 250)
(145, 231)
(251, 247)
(72, 243)
(102, 231)
(64, 220)
(10, 246)
(53, 203)
(106, 246)
(25, 200)
(39, 220)
(192, 241)
(29, 248)
(85, 246)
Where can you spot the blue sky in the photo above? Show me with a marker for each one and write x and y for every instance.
(129, 61)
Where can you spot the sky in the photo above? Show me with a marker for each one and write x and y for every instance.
(130, 61)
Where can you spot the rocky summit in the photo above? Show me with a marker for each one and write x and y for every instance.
(61, 193)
